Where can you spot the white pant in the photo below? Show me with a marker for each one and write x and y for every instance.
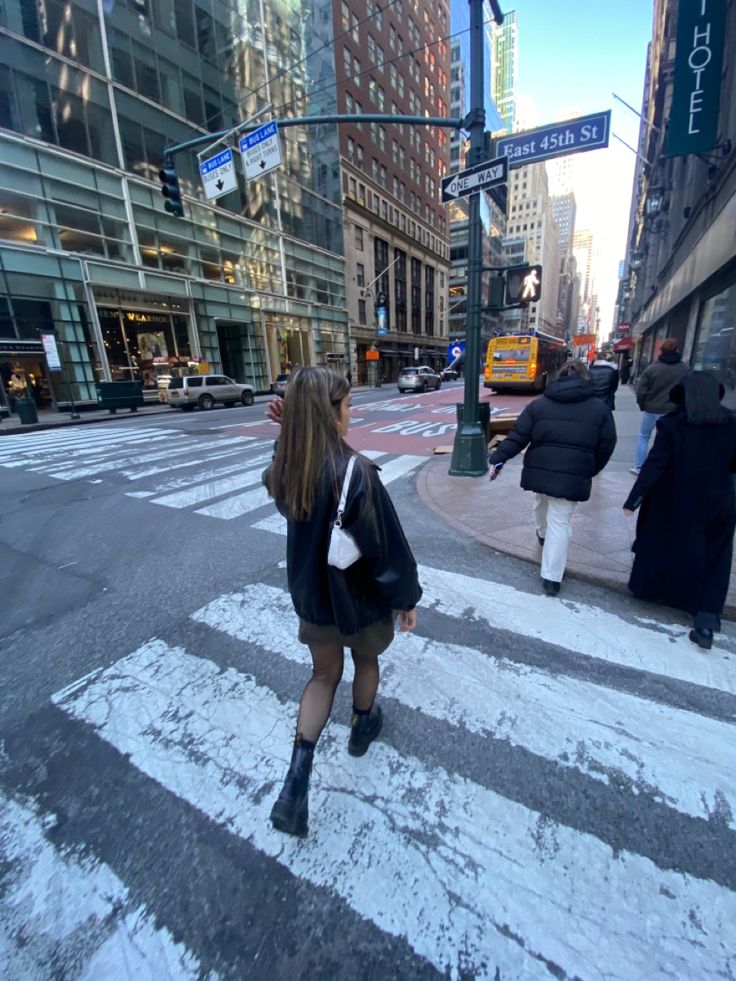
(553, 517)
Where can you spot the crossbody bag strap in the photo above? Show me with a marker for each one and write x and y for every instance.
(344, 495)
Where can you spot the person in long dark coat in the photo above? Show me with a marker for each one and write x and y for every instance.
(687, 517)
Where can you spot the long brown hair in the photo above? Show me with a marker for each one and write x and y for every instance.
(310, 439)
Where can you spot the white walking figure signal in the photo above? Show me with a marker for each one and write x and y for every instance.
(531, 284)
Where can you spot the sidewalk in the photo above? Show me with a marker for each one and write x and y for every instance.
(48, 419)
(499, 514)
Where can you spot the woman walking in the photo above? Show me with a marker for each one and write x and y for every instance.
(354, 607)
(685, 528)
(571, 436)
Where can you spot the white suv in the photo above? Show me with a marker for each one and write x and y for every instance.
(204, 390)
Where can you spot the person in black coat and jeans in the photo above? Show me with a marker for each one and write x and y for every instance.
(687, 516)
(571, 436)
(605, 378)
(354, 607)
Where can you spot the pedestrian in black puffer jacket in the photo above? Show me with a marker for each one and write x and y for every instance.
(605, 378)
(571, 436)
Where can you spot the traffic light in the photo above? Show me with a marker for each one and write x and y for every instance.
(523, 284)
(170, 188)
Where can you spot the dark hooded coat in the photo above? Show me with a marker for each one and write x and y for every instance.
(685, 527)
(571, 436)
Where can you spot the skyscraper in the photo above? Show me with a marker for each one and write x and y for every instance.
(91, 95)
(394, 60)
(505, 56)
(492, 215)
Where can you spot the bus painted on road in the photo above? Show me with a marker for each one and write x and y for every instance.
(523, 361)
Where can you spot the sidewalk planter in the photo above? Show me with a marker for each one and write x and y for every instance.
(120, 395)
(26, 411)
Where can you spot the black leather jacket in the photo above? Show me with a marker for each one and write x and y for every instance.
(384, 579)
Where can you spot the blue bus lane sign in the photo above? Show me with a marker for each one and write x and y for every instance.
(218, 175)
(574, 136)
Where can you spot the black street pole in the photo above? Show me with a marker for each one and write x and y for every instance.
(469, 449)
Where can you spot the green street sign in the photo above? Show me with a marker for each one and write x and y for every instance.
(697, 85)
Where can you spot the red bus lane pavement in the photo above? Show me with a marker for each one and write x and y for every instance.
(417, 424)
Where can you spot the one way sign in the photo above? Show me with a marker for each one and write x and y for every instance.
(218, 175)
(478, 178)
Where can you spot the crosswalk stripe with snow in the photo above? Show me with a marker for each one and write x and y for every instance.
(683, 759)
(485, 886)
(578, 627)
(74, 913)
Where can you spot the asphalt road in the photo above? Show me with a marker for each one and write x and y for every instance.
(553, 794)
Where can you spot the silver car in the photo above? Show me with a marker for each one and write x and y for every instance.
(204, 391)
(419, 379)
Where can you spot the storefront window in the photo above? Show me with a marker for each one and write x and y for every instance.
(715, 345)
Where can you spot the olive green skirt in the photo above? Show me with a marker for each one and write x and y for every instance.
(370, 641)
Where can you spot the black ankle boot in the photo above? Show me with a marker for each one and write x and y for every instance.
(702, 637)
(290, 813)
(363, 730)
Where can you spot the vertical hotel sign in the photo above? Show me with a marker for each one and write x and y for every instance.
(698, 66)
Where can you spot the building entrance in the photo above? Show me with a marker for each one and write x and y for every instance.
(146, 346)
(23, 374)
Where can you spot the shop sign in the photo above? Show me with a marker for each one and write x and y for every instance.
(52, 352)
(696, 95)
(21, 347)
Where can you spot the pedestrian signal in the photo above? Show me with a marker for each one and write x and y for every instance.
(170, 188)
(523, 284)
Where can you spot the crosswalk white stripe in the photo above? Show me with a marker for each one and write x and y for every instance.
(234, 507)
(27, 458)
(62, 460)
(211, 489)
(483, 886)
(683, 759)
(103, 462)
(124, 460)
(178, 483)
(399, 467)
(275, 523)
(168, 467)
(578, 627)
(38, 441)
(372, 454)
(74, 912)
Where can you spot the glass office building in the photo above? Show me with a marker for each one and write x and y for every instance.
(91, 93)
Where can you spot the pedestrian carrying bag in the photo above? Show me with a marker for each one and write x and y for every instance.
(343, 551)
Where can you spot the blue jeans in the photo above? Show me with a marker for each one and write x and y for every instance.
(648, 422)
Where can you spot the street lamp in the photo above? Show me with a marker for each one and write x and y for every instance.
(655, 202)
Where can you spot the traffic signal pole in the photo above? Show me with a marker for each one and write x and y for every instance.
(469, 449)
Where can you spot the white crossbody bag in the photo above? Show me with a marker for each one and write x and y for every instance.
(343, 551)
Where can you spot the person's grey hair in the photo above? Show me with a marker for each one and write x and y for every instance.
(573, 368)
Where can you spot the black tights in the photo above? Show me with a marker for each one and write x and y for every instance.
(327, 664)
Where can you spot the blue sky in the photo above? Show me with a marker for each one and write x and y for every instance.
(572, 55)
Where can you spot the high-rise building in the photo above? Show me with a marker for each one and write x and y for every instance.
(531, 219)
(583, 250)
(395, 60)
(92, 94)
(492, 209)
(504, 68)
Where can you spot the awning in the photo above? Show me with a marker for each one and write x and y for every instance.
(625, 344)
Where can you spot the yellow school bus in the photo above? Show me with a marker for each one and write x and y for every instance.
(523, 361)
